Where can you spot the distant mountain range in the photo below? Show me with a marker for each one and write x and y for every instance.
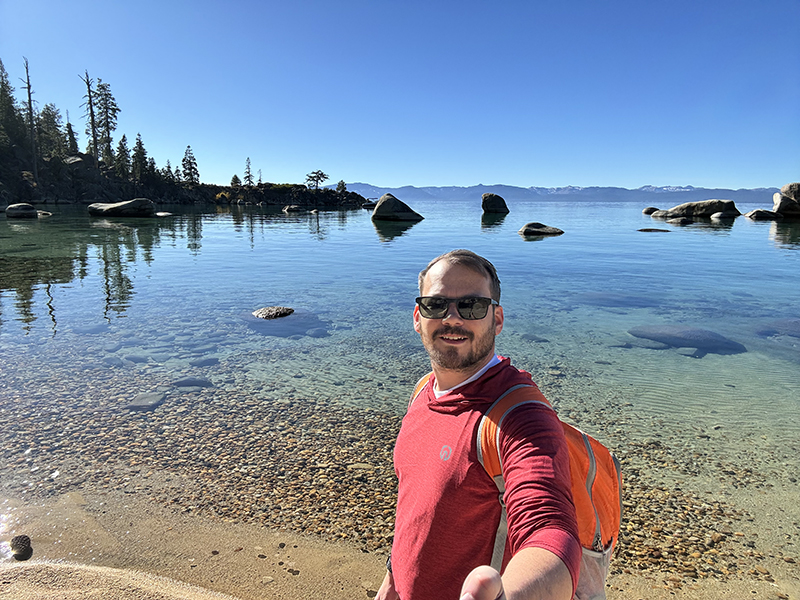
(648, 194)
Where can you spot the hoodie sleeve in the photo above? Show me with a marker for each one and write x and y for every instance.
(538, 493)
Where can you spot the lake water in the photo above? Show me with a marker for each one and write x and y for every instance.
(162, 299)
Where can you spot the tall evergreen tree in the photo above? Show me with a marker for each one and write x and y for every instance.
(52, 139)
(259, 177)
(122, 161)
(167, 173)
(190, 172)
(91, 123)
(12, 125)
(235, 181)
(178, 175)
(72, 141)
(107, 111)
(248, 174)
(139, 160)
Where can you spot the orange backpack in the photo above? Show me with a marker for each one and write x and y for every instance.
(596, 487)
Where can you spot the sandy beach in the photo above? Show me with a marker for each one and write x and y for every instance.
(80, 551)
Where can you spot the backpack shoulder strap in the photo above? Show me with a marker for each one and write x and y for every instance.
(489, 428)
(418, 388)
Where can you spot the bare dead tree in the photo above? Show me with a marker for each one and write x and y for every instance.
(89, 104)
(31, 121)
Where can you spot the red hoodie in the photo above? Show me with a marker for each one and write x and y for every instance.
(448, 508)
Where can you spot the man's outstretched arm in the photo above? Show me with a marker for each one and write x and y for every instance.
(531, 574)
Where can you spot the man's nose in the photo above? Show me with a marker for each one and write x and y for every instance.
(452, 314)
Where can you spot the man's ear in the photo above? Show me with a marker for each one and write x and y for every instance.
(416, 319)
(498, 319)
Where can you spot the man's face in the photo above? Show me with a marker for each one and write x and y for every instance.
(452, 342)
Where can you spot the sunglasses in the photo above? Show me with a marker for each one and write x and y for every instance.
(471, 308)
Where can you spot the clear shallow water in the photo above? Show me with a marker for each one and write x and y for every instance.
(155, 297)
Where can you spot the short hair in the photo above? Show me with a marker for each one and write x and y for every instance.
(467, 258)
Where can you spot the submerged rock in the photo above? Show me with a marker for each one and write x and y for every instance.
(146, 401)
(294, 326)
(679, 336)
(273, 312)
(781, 327)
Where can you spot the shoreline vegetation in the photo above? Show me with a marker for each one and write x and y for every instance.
(40, 161)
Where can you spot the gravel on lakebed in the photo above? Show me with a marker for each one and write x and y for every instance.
(311, 466)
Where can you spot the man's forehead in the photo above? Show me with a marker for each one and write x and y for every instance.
(447, 273)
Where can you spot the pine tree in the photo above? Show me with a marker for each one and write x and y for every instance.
(341, 187)
(167, 173)
(259, 177)
(139, 160)
(235, 181)
(107, 111)
(248, 174)
(122, 161)
(52, 140)
(178, 175)
(72, 141)
(190, 172)
(12, 125)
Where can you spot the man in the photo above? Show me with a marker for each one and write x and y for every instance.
(448, 508)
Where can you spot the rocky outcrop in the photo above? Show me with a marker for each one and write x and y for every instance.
(649, 210)
(390, 208)
(21, 211)
(704, 208)
(492, 203)
(763, 215)
(787, 201)
(138, 207)
(538, 230)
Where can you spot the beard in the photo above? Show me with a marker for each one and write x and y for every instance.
(481, 347)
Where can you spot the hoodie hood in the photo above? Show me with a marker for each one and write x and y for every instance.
(478, 394)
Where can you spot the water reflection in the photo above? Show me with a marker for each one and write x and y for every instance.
(389, 230)
(785, 234)
(492, 220)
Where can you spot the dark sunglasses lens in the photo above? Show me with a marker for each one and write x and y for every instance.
(473, 308)
(433, 308)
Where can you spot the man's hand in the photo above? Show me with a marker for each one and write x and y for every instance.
(483, 583)
(387, 591)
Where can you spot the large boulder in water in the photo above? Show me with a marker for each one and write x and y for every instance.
(492, 203)
(791, 190)
(390, 208)
(534, 229)
(785, 205)
(679, 336)
(760, 214)
(23, 210)
(138, 207)
(702, 208)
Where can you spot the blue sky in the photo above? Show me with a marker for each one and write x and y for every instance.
(534, 93)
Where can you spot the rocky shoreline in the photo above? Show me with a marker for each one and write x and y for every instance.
(324, 469)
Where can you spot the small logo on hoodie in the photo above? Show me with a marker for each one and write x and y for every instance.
(445, 453)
